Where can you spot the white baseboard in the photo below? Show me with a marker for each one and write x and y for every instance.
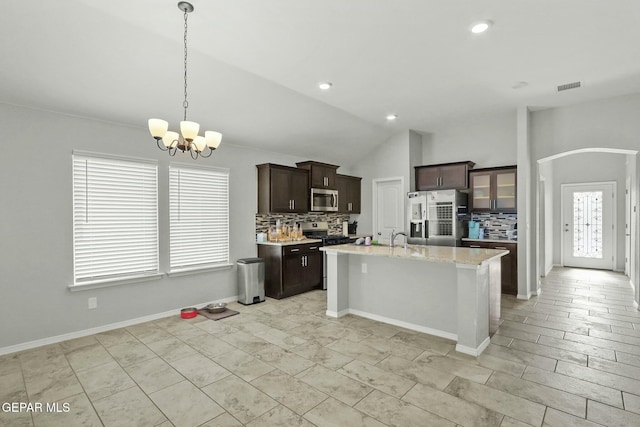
(406, 325)
(337, 314)
(523, 296)
(475, 352)
(99, 329)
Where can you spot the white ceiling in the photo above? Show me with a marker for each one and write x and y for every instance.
(254, 65)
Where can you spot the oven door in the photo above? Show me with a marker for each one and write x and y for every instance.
(323, 200)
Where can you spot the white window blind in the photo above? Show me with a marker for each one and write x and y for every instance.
(198, 217)
(115, 218)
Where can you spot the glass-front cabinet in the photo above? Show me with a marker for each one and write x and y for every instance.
(493, 190)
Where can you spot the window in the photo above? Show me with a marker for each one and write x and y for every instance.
(198, 217)
(115, 218)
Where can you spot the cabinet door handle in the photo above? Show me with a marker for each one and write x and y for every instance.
(295, 250)
(313, 248)
(290, 205)
(500, 247)
(474, 246)
(294, 203)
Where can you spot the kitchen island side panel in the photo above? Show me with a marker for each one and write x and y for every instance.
(422, 294)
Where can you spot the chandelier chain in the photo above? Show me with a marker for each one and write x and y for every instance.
(185, 104)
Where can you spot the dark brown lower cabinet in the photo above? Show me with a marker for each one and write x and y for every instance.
(291, 269)
(509, 264)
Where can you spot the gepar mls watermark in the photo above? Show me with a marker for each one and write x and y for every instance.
(56, 407)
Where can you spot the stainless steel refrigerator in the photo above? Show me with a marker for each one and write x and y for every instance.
(446, 214)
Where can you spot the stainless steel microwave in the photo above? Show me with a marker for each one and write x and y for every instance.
(324, 200)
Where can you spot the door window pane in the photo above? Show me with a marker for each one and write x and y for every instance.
(587, 224)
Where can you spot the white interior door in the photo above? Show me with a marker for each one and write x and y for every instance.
(388, 207)
(587, 220)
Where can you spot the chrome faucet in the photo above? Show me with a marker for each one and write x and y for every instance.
(394, 235)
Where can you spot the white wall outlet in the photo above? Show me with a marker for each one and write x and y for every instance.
(93, 303)
(364, 267)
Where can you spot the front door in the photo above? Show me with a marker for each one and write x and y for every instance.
(388, 207)
(587, 225)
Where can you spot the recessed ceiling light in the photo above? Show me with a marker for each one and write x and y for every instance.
(481, 27)
(392, 117)
(325, 85)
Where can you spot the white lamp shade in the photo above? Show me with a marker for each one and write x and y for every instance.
(169, 139)
(200, 143)
(158, 127)
(213, 139)
(189, 130)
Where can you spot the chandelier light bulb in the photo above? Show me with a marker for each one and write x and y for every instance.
(213, 139)
(170, 139)
(200, 143)
(158, 127)
(189, 130)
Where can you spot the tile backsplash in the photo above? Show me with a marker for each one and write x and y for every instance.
(334, 220)
(496, 225)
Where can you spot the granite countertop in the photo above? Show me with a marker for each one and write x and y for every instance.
(291, 242)
(447, 254)
(466, 239)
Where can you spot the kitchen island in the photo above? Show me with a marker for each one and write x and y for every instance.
(451, 292)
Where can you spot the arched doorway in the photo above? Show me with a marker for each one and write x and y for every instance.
(579, 166)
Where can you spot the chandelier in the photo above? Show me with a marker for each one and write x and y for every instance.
(188, 139)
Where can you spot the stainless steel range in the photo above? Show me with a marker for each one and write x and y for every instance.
(320, 230)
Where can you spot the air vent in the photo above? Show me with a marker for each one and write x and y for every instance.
(568, 86)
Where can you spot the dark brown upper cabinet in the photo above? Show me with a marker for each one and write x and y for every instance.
(322, 175)
(349, 192)
(446, 176)
(282, 189)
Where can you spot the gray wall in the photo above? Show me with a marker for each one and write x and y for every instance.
(36, 259)
(488, 140)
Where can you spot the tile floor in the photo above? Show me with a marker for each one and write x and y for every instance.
(570, 357)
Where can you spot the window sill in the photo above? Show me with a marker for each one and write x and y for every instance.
(197, 270)
(114, 282)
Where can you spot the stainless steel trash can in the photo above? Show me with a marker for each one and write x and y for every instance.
(250, 280)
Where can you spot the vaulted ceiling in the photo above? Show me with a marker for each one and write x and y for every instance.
(254, 65)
